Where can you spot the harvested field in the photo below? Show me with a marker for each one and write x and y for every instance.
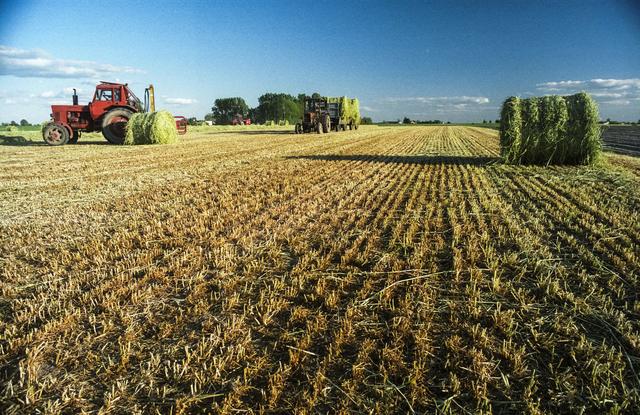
(385, 270)
(622, 139)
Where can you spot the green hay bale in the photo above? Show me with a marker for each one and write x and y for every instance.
(135, 129)
(550, 130)
(583, 132)
(553, 147)
(151, 128)
(349, 109)
(162, 128)
(511, 130)
(532, 132)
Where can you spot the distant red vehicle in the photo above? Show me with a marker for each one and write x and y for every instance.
(239, 120)
(112, 106)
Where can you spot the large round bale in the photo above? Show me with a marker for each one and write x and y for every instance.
(135, 129)
(152, 128)
(510, 130)
(584, 139)
(553, 114)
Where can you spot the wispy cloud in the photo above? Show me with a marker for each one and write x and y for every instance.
(369, 109)
(606, 91)
(180, 101)
(39, 64)
(440, 103)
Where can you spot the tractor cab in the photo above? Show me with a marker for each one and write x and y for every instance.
(313, 107)
(109, 95)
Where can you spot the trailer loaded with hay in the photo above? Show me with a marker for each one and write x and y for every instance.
(325, 114)
(550, 130)
(112, 107)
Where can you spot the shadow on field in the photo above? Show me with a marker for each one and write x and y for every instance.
(21, 141)
(18, 140)
(93, 143)
(417, 159)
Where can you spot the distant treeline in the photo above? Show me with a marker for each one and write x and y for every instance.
(277, 107)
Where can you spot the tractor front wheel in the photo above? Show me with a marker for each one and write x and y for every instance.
(114, 125)
(55, 134)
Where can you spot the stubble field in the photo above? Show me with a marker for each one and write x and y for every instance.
(384, 270)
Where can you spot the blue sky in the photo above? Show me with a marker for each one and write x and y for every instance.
(445, 60)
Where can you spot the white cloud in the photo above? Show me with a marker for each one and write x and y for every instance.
(615, 91)
(180, 101)
(369, 109)
(443, 100)
(441, 104)
(39, 64)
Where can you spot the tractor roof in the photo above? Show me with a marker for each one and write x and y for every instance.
(103, 84)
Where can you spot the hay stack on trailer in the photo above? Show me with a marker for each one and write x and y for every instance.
(347, 114)
(550, 130)
(324, 114)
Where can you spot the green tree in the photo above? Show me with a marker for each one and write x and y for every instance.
(15, 124)
(192, 121)
(209, 117)
(24, 122)
(225, 109)
(278, 107)
(366, 120)
(406, 120)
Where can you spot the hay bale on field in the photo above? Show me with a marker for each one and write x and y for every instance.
(550, 130)
(583, 131)
(511, 130)
(553, 147)
(532, 131)
(135, 129)
(151, 128)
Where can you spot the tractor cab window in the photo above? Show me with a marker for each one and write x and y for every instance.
(116, 95)
(104, 95)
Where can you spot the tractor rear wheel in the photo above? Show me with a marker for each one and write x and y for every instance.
(318, 127)
(114, 125)
(326, 124)
(55, 135)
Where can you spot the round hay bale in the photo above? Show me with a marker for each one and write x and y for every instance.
(151, 128)
(162, 128)
(135, 129)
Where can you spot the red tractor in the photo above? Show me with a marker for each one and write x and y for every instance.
(112, 106)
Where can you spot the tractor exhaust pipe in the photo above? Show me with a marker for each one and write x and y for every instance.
(75, 97)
